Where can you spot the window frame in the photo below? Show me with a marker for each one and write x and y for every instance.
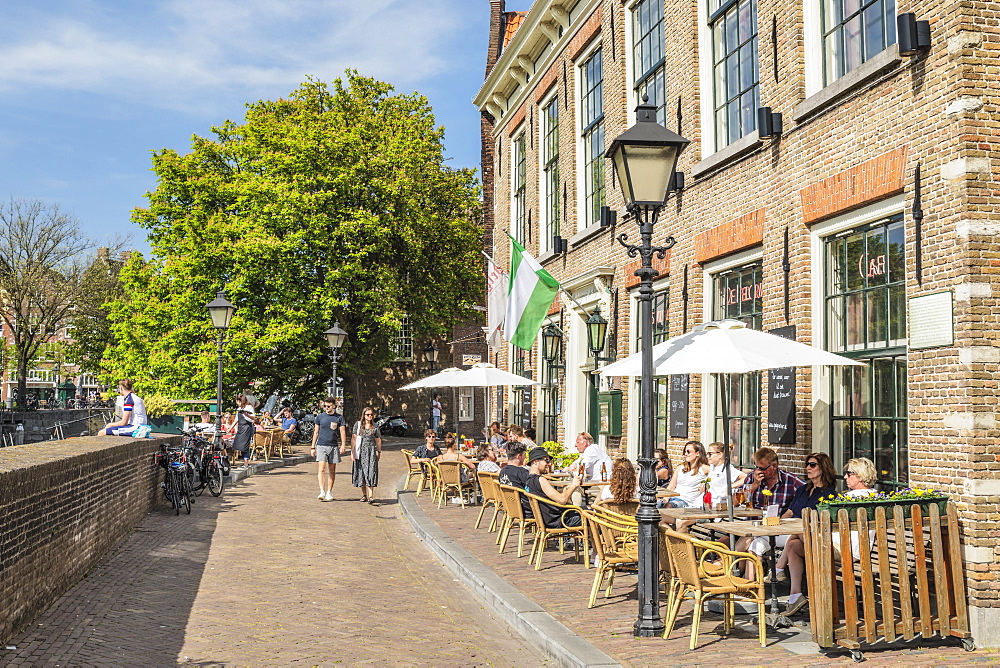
(466, 404)
(519, 186)
(403, 340)
(548, 173)
(723, 134)
(656, 70)
(838, 30)
(591, 175)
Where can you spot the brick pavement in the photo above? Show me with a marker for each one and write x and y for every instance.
(268, 575)
(562, 588)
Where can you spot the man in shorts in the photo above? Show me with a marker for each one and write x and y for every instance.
(329, 440)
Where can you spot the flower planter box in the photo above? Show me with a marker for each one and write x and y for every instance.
(870, 506)
(168, 424)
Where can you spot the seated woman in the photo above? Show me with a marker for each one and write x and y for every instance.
(487, 456)
(793, 557)
(717, 473)
(621, 495)
(664, 469)
(688, 481)
(451, 454)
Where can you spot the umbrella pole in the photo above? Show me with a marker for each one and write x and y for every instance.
(726, 451)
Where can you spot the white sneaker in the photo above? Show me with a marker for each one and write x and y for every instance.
(328, 497)
(322, 495)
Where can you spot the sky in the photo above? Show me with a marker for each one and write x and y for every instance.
(89, 87)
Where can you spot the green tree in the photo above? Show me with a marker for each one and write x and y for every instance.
(92, 334)
(333, 204)
(43, 255)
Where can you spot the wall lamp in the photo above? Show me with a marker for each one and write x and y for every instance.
(769, 123)
(559, 245)
(609, 217)
(913, 36)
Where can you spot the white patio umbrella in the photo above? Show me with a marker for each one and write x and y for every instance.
(485, 374)
(443, 378)
(726, 346)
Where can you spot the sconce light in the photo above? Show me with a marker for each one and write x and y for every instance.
(913, 36)
(768, 123)
(609, 217)
(676, 181)
(559, 245)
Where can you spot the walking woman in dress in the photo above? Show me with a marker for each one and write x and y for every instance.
(245, 428)
(366, 450)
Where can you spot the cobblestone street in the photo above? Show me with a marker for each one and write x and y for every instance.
(268, 575)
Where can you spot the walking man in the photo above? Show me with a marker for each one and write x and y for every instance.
(329, 440)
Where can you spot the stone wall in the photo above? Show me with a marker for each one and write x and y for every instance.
(63, 506)
(38, 424)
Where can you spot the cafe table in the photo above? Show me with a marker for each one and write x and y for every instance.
(587, 489)
(789, 526)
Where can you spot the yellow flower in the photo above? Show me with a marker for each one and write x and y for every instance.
(767, 492)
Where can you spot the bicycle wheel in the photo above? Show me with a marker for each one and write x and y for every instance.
(186, 493)
(197, 476)
(216, 481)
(173, 491)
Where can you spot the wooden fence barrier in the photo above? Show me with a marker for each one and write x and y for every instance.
(904, 582)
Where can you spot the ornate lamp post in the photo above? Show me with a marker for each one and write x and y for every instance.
(431, 357)
(222, 314)
(335, 337)
(645, 157)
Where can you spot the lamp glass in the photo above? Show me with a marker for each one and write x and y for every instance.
(597, 330)
(335, 336)
(645, 171)
(551, 339)
(431, 354)
(221, 310)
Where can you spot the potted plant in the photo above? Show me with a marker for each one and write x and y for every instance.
(160, 413)
(560, 458)
(906, 498)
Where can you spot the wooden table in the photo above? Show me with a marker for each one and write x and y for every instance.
(786, 527)
(700, 514)
(586, 488)
(664, 493)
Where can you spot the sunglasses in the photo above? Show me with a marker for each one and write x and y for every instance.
(764, 468)
(812, 464)
(849, 473)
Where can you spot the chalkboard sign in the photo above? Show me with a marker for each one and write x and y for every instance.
(679, 405)
(781, 397)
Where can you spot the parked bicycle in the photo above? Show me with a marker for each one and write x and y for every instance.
(207, 468)
(176, 484)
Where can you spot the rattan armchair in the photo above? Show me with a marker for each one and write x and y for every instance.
(514, 516)
(577, 533)
(695, 581)
(615, 544)
(413, 469)
(491, 497)
(451, 478)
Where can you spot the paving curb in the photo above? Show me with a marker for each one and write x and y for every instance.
(539, 629)
(238, 474)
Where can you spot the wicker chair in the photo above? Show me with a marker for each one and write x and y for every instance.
(451, 478)
(615, 544)
(694, 582)
(513, 516)
(413, 469)
(491, 497)
(432, 475)
(545, 533)
(626, 508)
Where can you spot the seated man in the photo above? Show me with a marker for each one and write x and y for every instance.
(514, 473)
(429, 450)
(540, 463)
(289, 424)
(205, 426)
(767, 476)
(593, 461)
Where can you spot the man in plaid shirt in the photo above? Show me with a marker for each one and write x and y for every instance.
(767, 476)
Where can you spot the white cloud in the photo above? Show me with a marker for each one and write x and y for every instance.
(195, 55)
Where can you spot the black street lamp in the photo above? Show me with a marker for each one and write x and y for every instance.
(431, 357)
(335, 337)
(597, 334)
(551, 345)
(222, 314)
(645, 158)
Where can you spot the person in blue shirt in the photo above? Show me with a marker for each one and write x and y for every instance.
(289, 424)
(328, 444)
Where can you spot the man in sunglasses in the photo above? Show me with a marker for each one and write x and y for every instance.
(767, 476)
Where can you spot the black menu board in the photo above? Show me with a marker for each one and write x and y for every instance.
(526, 406)
(781, 397)
(679, 405)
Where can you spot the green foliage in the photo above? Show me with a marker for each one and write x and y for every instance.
(560, 458)
(92, 336)
(908, 494)
(158, 405)
(332, 204)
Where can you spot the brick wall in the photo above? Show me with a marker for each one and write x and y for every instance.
(63, 506)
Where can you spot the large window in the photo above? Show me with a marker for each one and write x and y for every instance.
(661, 318)
(648, 56)
(518, 190)
(466, 404)
(738, 293)
(550, 170)
(733, 24)
(592, 134)
(403, 342)
(520, 396)
(853, 32)
(866, 319)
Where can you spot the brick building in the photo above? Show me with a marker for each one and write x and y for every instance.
(868, 225)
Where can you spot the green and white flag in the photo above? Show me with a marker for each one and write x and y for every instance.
(530, 293)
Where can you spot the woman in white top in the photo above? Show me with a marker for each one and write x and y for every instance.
(689, 477)
(717, 473)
